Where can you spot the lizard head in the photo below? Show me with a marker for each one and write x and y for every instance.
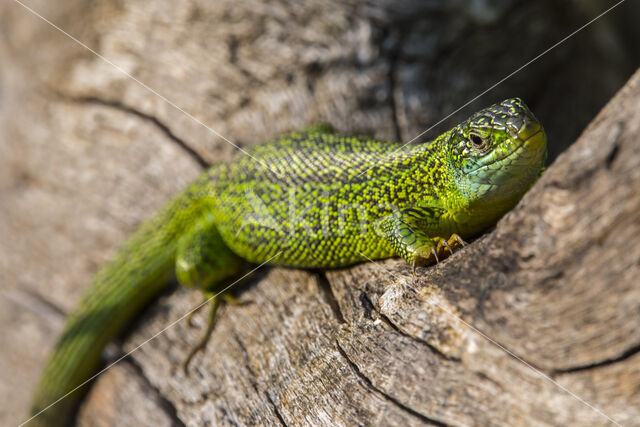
(498, 153)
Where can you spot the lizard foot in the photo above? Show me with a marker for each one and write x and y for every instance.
(189, 318)
(436, 250)
(444, 245)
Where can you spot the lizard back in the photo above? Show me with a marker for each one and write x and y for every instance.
(312, 199)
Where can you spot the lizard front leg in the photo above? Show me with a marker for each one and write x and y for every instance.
(404, 230)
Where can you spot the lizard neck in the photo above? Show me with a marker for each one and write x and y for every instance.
(482, 201)
(471, 205)
(428, 174)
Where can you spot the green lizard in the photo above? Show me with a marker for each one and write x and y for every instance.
(313, 199)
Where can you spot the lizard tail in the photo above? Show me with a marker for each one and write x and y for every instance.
(119, 291)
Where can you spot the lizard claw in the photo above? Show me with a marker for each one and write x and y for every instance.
(458, 239)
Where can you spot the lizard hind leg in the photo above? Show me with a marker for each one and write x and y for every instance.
(213, 301)
(203, 261)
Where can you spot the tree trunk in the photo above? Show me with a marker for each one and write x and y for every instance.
(534, 323)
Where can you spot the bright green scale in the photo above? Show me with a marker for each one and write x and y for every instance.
(309, 199)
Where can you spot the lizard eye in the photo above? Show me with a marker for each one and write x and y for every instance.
(477, 142)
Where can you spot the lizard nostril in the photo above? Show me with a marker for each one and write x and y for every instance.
(513, 126)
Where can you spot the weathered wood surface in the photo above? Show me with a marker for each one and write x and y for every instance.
(556, 285)
(88, 153)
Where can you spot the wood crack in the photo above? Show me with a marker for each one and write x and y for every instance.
(253, 379)
(370, 307)
(144, 116)
(167, 406)
(37, 298)
(325, 287)
(389, 323)
(617, 129)
(384, 395)
(276, 410)
(628, 354)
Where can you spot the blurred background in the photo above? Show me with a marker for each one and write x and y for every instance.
(88, 152)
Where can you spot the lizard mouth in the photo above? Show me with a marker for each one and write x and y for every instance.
(535, 137)
(538, 140)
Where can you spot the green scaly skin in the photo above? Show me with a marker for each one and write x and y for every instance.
(314, 199)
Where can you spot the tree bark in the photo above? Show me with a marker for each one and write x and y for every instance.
(534, 323)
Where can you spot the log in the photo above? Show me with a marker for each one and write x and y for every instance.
(534, 323)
